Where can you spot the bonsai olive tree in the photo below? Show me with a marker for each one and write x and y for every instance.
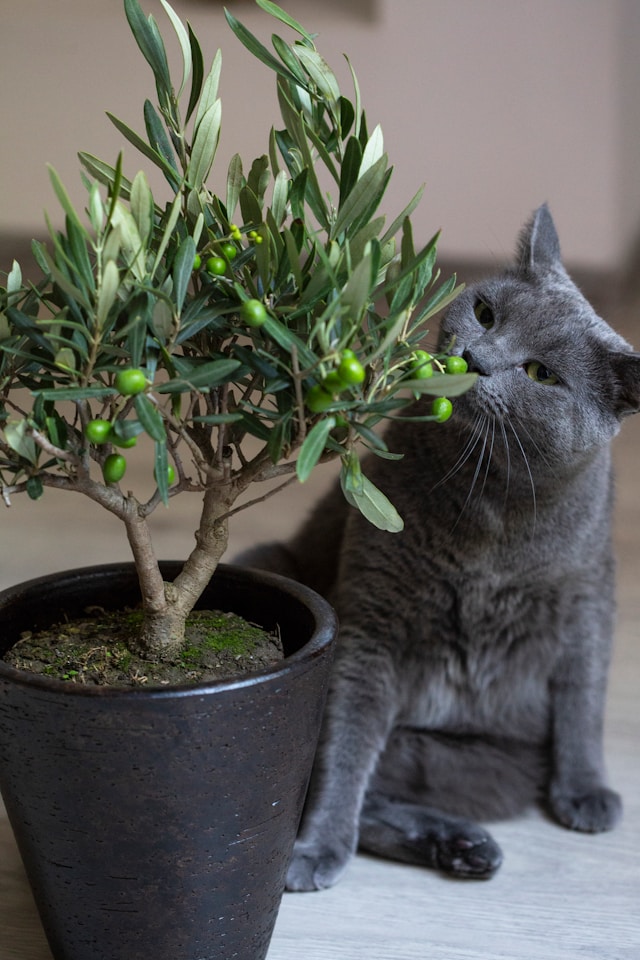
(247, 334)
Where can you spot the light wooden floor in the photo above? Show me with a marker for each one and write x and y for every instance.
(558, 894)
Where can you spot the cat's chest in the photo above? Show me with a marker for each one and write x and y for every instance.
(484, 662)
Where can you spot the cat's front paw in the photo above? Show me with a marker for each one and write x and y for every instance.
(590, 812)
(315, 866)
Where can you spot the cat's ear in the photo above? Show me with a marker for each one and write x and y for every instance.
(625, 368)
(538, 244)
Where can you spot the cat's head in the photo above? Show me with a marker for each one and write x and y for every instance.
(547, 365)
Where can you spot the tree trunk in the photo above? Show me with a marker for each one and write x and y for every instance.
(166, 606)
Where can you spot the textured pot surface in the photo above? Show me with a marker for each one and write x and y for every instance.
(159, 823)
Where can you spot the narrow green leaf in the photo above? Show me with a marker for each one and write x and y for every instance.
(375, 506)
(347, 116)
(442, 385)
(250, 206)
(320, 73)
(18, 437)
(209, 90)
(396, 325)
(441, 299)
(350, 168)
(104, 173)
(408, 210)
(412, 266)
(63, 198)
(161, 470)
(313, 447)
(144, 148)
(14, 278)
(373, 150)
(63, 281)
(366, 190)
(107, 292)
(182, 270)
(235, 183)
(150, 418)
(294, 257)
(289, 59)
(216, 418)
(201, 377)
(197, 79)
(356, 294)
(169, 226)
(275, 11)
(159, 141)
(289, 341)
(79, 261)
(323, 153)
(116, 186)
(256, 48)
(147, 39)
(142, 206)
(132, 245)
(74, 393)
(183, 40)
(280, 198)
(356, 107)
(205, 145)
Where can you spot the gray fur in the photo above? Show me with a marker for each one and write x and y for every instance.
(474, 646)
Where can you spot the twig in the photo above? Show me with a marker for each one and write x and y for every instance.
(266, 496)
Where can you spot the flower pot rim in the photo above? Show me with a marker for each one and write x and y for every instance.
(323, 634)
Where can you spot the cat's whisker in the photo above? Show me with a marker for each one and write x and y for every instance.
(490, 455)
(507, 450)
(530, 438)
(484, 426)
(470, 446)
(528, 469)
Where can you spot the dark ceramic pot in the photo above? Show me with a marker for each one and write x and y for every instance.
(159, 823)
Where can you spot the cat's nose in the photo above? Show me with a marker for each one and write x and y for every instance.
(475, 363)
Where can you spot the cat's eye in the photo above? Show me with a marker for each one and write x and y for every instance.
(484, 314)
(541, 374)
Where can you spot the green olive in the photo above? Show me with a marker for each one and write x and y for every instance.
(130, 382)
(456, 365)
(229, 250)
(421, 367)
(317, 399)
(350, 370)
(253, 312)
(114, 468)
(97, 431)
(216, 266)
(442, 408)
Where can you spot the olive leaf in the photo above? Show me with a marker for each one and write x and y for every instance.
(205, 145)
(185, 45)
(374, 506)
(313, 447)
(18, 437)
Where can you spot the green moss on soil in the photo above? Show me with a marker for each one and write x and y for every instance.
(95, 650)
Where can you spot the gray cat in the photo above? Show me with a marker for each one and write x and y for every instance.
(474, 646)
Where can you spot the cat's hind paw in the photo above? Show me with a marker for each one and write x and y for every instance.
(315, 867)
(591, 812)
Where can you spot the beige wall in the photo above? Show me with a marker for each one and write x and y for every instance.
(496, 104)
